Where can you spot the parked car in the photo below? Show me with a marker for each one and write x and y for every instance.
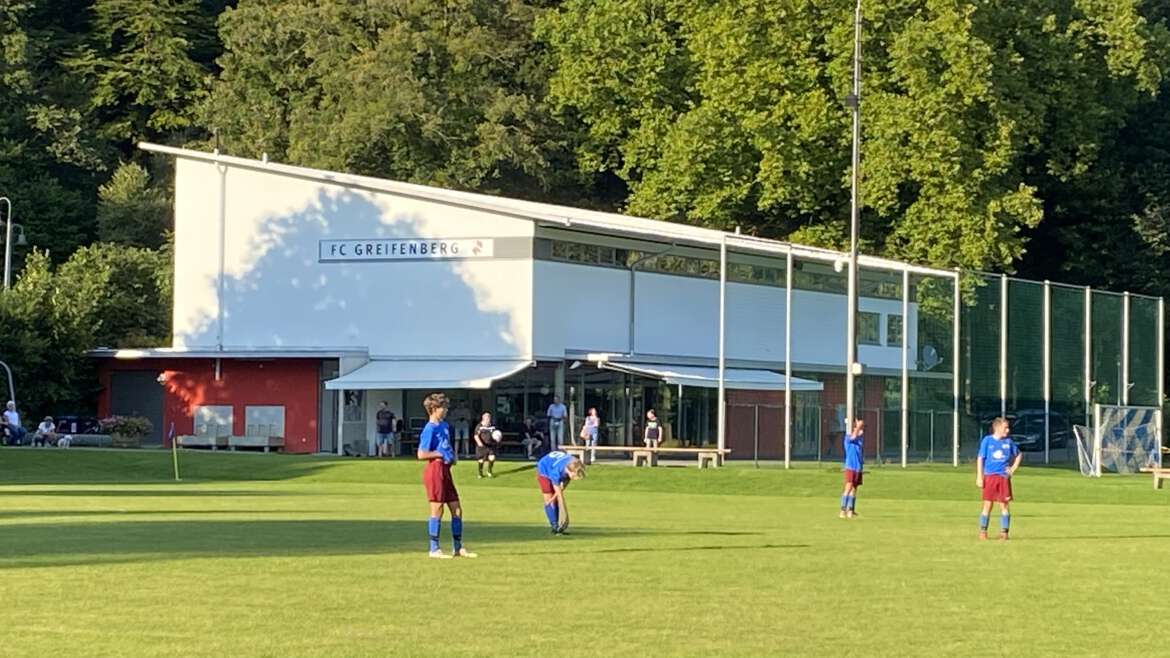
(78, 425)
(1027, 429)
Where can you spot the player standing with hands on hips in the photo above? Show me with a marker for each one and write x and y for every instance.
(554, 471)
(854, 464)
(434, 447)
(999, 457)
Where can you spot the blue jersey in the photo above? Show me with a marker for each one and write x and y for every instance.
(997, 454)
(553, 465)
(853, 457)
(436, 437)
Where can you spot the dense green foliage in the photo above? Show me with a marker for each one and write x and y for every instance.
(310, 556)
(1029, 136)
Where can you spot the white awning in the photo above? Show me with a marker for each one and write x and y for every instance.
(426, 375)
(705, 377)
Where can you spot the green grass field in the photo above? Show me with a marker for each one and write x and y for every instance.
(265, 555)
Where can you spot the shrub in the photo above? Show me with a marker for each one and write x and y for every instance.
(128, 426)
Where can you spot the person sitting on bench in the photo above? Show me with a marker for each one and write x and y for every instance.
(46, 434)
(533, 438)
(652, 435)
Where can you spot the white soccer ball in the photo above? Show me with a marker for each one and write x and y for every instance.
(497, 435)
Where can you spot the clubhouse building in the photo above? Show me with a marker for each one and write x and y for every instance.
(303, 299)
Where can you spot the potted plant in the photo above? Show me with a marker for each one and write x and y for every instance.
(126, 431)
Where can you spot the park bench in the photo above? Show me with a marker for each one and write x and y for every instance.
(1159, 475)
(201, 441)
(267, 443)
(88, 440)
(649, 456)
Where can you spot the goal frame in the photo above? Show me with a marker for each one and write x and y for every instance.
(1097, 430)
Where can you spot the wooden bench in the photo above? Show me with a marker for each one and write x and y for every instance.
(201, 441)
(265, 442)
(1159, 475)
(649, 456)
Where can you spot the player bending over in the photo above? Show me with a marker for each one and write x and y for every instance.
(554, 471)
(999, 457)
(854, 464)
(434, 447)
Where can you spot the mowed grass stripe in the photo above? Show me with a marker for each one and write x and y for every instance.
(99, 555)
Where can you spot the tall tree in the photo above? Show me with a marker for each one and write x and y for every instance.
(733, 112)
(445, 93)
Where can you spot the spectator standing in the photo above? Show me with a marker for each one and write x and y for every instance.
(556, 422)
(461, 423)
(590, 431)
(652, 435)
(384, 431)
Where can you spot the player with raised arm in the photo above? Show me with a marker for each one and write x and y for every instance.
(434, 447)
(854, 464)
(999, 458)
(554, 471)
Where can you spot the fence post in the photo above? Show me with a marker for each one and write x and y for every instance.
(1003, 343)
(955, 374)
(905, 365)
(1047, 370)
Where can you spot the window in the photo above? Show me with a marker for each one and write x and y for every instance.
(213, 420)
(869, 328)
(264, 420)
(894, 330)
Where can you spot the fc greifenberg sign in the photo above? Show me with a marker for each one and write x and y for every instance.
(384, 250)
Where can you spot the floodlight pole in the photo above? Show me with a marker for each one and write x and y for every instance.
(854, 102)
(7, 244)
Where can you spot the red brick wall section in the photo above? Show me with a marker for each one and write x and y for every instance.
(190, 383)
(741, 424)
(874, 400)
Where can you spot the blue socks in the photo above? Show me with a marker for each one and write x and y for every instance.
(844, 502)
(550, 511)
(457, 531)
(433, 531)
(983, 522)
(1005, 520)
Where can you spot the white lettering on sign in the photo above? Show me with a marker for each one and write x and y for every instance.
(379, 250)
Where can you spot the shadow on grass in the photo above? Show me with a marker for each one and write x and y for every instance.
(1054, 538)
(90, 543)
(154, 493)
(667, 549)
(52, 513)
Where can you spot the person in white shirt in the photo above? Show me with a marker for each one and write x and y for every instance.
(46, 434)
(14, 427)
(556, 422)
(461, 423)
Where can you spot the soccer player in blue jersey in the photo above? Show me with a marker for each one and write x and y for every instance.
(434, 447)
(854, 463)
(554, 471)
(999, 457)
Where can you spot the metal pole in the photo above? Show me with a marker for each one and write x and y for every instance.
(955, 374)
(1088, 353)
(1047, 371)
(1125, 349)
(788, 363)
(11, 386)
(1003, 343)
(756, 434)
(1161, 366)
(341, 422)
(855, 222)
(905, 365)
(7, 244)
(722, 432)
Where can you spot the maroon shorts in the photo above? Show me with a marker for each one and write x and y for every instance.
(853, 477)
(546, 485)
(997, 488)
(437, 480)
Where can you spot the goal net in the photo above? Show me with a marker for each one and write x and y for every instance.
(1124, 439)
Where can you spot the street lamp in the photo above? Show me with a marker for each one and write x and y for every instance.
(854, 102)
